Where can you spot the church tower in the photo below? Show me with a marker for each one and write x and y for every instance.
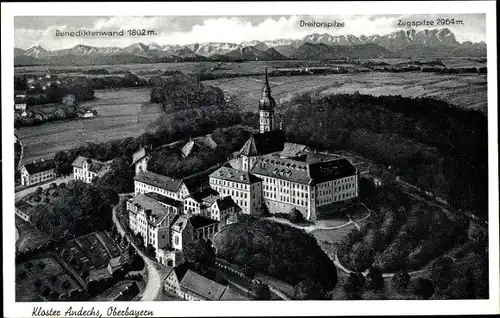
(266, 108)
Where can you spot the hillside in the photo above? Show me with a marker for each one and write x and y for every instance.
(279, 250)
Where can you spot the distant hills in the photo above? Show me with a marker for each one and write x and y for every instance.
(428, 43)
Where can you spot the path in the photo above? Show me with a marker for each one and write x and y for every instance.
(316, 227)
(339, 265)
(152, 290)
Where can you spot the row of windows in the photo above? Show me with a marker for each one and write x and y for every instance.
(336, 198)
(236, 185)
(157, 190)
(42, 178)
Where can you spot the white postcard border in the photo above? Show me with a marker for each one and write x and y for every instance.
(184, 309)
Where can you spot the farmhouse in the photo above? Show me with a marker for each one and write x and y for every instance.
(38, 172)
(86, 113)
(86, 169)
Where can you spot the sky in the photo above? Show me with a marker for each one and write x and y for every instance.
(30, 31)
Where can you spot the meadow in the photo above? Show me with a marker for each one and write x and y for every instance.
(117, 118)
(118, 108)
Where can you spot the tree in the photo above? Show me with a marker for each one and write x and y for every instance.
(354, 284)
(150, 251)
(136, 263)
(295, 216)
(423, 288)
(39, 190)
(261, 291)
(375, 279)
(308, 290)
(441, 273)
(400, 279)
(200, 252)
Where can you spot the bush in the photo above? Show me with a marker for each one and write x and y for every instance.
(423, 288)
(261, 291)
(295, 216)
(400, 279)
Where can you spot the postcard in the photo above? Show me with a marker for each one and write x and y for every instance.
(315, 158)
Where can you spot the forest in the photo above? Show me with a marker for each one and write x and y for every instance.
(278, 250)
(433, 145)
(77, 209)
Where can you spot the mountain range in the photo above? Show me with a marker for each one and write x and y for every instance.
(428, 43)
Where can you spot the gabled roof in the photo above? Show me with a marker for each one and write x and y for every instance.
(190, 147)
(198, 221)
(208, 195)
(148, 204)
(157, 180)
(225, 203)
(263, 143)
(164, 199)
(310, 169)
(292, 150)
(39, 166)
(139, 154)
(96, 166)
(202, 286)
(230, 174)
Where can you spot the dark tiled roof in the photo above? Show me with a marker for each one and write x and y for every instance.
(96, 166)
(273, 165)
(264, 143)
(230, 174)
(226, 203)
(156, 209)
(331, 170)
(198, 221)
(164, 199)
(202, 286)
(181, 270)
(206, 195)
(311, 168)
(159, 181)
(39, 166)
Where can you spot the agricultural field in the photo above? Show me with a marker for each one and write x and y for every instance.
(461, 90)
(38, 278)
(92, 251)
(118, 114)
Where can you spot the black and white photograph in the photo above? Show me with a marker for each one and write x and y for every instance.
(334, 157)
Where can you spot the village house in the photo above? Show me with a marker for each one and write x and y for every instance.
(189, 285)
(86, 169)
(38, 172)
(222, 209)
(199, 202)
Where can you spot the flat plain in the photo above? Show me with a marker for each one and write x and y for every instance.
(461, 90)
(117, 118)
